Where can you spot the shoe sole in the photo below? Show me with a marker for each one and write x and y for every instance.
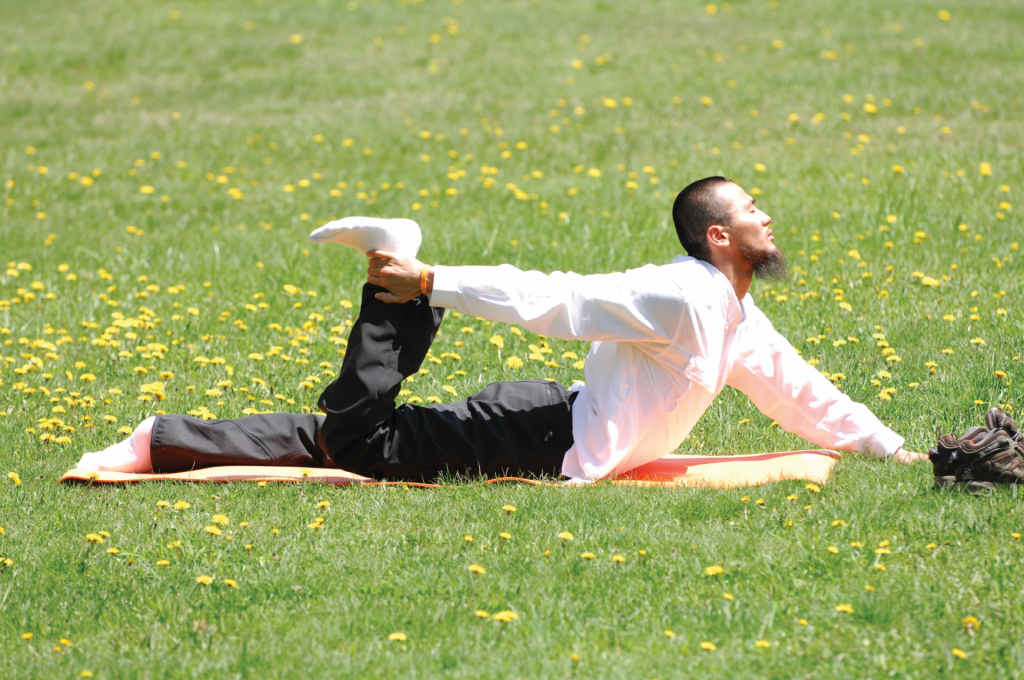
(976, 488)
(972, 487)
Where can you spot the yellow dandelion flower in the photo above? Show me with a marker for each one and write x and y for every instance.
(505, 616)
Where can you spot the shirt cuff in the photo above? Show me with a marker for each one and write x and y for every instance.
(446, 286)
(883, 444)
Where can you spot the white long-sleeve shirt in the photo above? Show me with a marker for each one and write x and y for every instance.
(666, 340)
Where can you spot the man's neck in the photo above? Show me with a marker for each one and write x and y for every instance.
(740, 275)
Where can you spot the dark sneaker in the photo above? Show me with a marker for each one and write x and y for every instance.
(997, 420)
(942, 456)
(992, 459)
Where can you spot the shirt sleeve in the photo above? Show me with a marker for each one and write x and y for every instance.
(634, 306)
(789, 390)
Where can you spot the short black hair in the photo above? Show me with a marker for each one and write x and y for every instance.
(696, 208)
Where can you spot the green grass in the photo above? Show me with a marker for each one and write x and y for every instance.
(220, 98)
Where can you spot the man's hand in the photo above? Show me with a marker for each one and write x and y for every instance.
(398, 273)
(909, 457)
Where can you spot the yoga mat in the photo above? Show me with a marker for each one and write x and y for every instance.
(727, 472)
(724, 472)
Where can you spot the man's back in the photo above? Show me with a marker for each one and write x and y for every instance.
(660, 355)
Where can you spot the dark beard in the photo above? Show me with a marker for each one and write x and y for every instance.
(769, 266)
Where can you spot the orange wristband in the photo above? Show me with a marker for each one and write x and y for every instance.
(423, 279)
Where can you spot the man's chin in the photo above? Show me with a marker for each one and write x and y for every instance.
(770, 265)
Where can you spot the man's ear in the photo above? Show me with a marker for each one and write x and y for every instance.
(717, 235)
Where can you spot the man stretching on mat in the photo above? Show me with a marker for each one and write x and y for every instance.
(666, 340)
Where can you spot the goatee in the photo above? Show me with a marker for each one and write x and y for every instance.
(768, 265)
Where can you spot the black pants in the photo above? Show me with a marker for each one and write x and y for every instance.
(509, 428)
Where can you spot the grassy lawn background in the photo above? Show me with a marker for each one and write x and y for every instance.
(164, 162)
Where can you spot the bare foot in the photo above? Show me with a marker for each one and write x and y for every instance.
(909, 457)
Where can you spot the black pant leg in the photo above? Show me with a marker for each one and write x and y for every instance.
(507, 429)
(388, 342)
(185, 443)
(510, 428)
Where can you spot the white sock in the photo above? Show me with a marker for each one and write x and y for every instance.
(400, 236)
(130, 455)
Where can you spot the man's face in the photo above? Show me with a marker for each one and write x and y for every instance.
(749, 226)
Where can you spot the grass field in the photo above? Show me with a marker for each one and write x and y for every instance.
(163, 162)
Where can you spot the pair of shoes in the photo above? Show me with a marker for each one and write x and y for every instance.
(982, 457)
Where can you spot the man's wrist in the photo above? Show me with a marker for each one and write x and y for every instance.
(429, 287)
(423, 279)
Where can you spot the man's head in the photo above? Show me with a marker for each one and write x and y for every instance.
(716, 219)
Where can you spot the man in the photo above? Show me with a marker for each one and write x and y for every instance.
(667, 339)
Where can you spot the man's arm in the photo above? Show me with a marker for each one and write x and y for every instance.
(786, 388)
(637, 306)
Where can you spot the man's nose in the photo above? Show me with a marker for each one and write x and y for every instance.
(766, 219)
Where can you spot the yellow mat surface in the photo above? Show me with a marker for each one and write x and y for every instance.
(724, 472)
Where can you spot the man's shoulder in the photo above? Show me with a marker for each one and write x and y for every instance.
(701, 282)
(684, 266)
(682, 277)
